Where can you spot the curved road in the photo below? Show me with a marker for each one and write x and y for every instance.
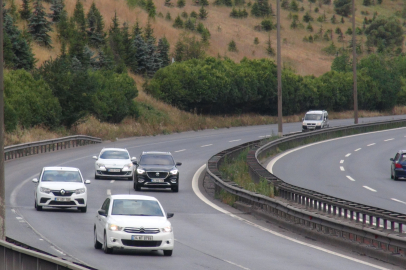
(205, 237)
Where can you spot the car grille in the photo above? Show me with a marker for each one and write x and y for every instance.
(115, 173)
(159, 176)
(58, 193)
(311, 124)
(139, 230)
(136, 243)
(61, 203)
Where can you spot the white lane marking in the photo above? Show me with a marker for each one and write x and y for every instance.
(371, 189)
(112, 181)
(347, 155)
(57, 250)
(342, 161)
(269, 167)
(349, 177)
(389, 140)
(357, 149)
(371, 144)
(180, 150)
(41, 239)
(239, 266)
(235, 140)
(342, 168)
(396, 200)
(206, 145)
(196, 190)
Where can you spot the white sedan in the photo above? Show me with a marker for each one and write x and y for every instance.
(60, 187)
(133, 222)
(114, 163)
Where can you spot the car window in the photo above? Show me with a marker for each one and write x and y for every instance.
(106, 205)
(403, 158)
(129, 207)
(313, 116)
(114, 155)
(61, 176)
(156, 160)
(397, 156)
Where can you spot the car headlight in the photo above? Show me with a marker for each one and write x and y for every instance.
(128, 166)
(318, 124)
(167, 229)
(173, 172)
(101, 166)
(80, 190)
(45, 190)
(113, 227)
(140, 171)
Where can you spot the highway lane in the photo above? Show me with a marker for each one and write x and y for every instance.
(355, 168)
(205, 238)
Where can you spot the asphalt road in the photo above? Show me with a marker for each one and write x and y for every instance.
(205, 237)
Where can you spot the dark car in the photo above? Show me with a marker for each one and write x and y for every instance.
(398, 166)
(156, 170)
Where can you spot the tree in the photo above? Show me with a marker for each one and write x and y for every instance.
(256, 41)
(270, 51)
(57, 7)
(307, 17)
(163, 51)
(38, 26)
(95, 27)
(168, 17)
(189, 24)
(149, 32)
(178, 22)
(26, 10)
(203, 13)
(384, 32)
(180, 3)
(232, 46)
(267, 25)
(79, 16)
(137, 30)
(151, 9)
(141, 51)
(13, 10)
(342, 7)
(193, 14)
(204, 2)
(294, 6)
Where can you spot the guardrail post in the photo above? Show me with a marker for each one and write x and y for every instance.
(364, 218)
(400, 228)
(385, 224)
(352, 215)
(345, 213)
(392, 225)
(377, 222)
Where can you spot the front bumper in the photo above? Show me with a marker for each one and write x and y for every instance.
(49, 199)
(123, 173)
(143, 180)
(122, 240)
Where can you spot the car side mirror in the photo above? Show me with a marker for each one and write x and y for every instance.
(133, 158)
(35, 180)
(88, 182)
(102, 212)
(95, 157)
(135, 162)
(391, 159)
(178, 163)
(169, 215)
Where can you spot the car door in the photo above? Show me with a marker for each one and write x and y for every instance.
(102, 220)
(394, 162)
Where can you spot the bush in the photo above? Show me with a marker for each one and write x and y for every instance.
(342, 7)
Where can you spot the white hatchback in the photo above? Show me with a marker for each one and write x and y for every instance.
(60, 187)
(114, 163)
(133, 222)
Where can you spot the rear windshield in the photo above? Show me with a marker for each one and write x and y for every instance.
(126, 207)
(157, 160)
(402, 158)
(61, 176)
(114, 155)
(313, 117)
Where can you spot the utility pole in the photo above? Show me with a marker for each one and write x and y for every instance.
(279, 66)
(354, 64)
(2, 180)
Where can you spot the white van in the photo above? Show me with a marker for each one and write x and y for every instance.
(315, 120)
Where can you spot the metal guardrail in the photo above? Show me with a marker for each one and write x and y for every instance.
(363, 224)
(28, 149)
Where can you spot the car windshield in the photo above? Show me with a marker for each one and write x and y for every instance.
(127, 207)
(61, 176)
(114, 155)
(156, 160)
(313, 116)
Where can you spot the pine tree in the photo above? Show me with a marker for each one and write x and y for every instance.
(163, 51)
(95, 27)
(203, 13)
(77, 45)
(179, 51)
(178, 22)
(168, 17)
(116, 40)
(149, 32)
(204, 3)
(13, 11)
(79, 16)
(180, 3)
(270, 51)
(153, 62)
(228, 3)
(26, 10)
(105, 60)
(232, 46)
(57, 7)
(88, 58)
(137, 30)
(294, 6)
(39, 26)
(234, 13)
(64, 28)
(151, 9)
(184, 14)
(141, 50)
(193, 14)
(205, 36)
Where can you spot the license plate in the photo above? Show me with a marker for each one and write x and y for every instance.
(62, 199)
(141, 237)
(114, 170)
(157, 180)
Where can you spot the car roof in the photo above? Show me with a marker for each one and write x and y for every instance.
(114, 149)
(133, 197)
(156, 153)
(60, 169)
(317, 112)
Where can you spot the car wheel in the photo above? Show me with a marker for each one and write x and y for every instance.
(83, 209)
(137, 187)
(97, 244)
(395, 177)
(96, 176)
(106, 249)
(39, 208)
(130, 178)
(175, 188)
(391, 174)
(168, 252)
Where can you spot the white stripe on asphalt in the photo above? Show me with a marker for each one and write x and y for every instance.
(235, 140)
(112, 181)
(196, 190)
(347, 155)
(371, 189)
(342, 161)
(396, 200)
(206, 145)
(342, 168)
(357, 149)
(349, 177)
(371, 144)
(389, 140)
(180, 150)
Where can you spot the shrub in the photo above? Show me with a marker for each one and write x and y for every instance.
(232, 46)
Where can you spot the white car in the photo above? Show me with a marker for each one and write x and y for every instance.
(114, 163)
(61, 187)
(133, 222)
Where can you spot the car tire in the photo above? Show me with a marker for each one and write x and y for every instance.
(168, 252)
(97, 244)
(83, 209)
(96, 176)
(391, 174)
(395, 177)
(175, 188)
(130, 178)
(137, 187)
(39, 208)
(106, 249)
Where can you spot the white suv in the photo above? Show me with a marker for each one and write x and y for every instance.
(61, 187)
(114, 163)
(315, 120)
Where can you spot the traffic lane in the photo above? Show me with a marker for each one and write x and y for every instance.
(318, 168)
